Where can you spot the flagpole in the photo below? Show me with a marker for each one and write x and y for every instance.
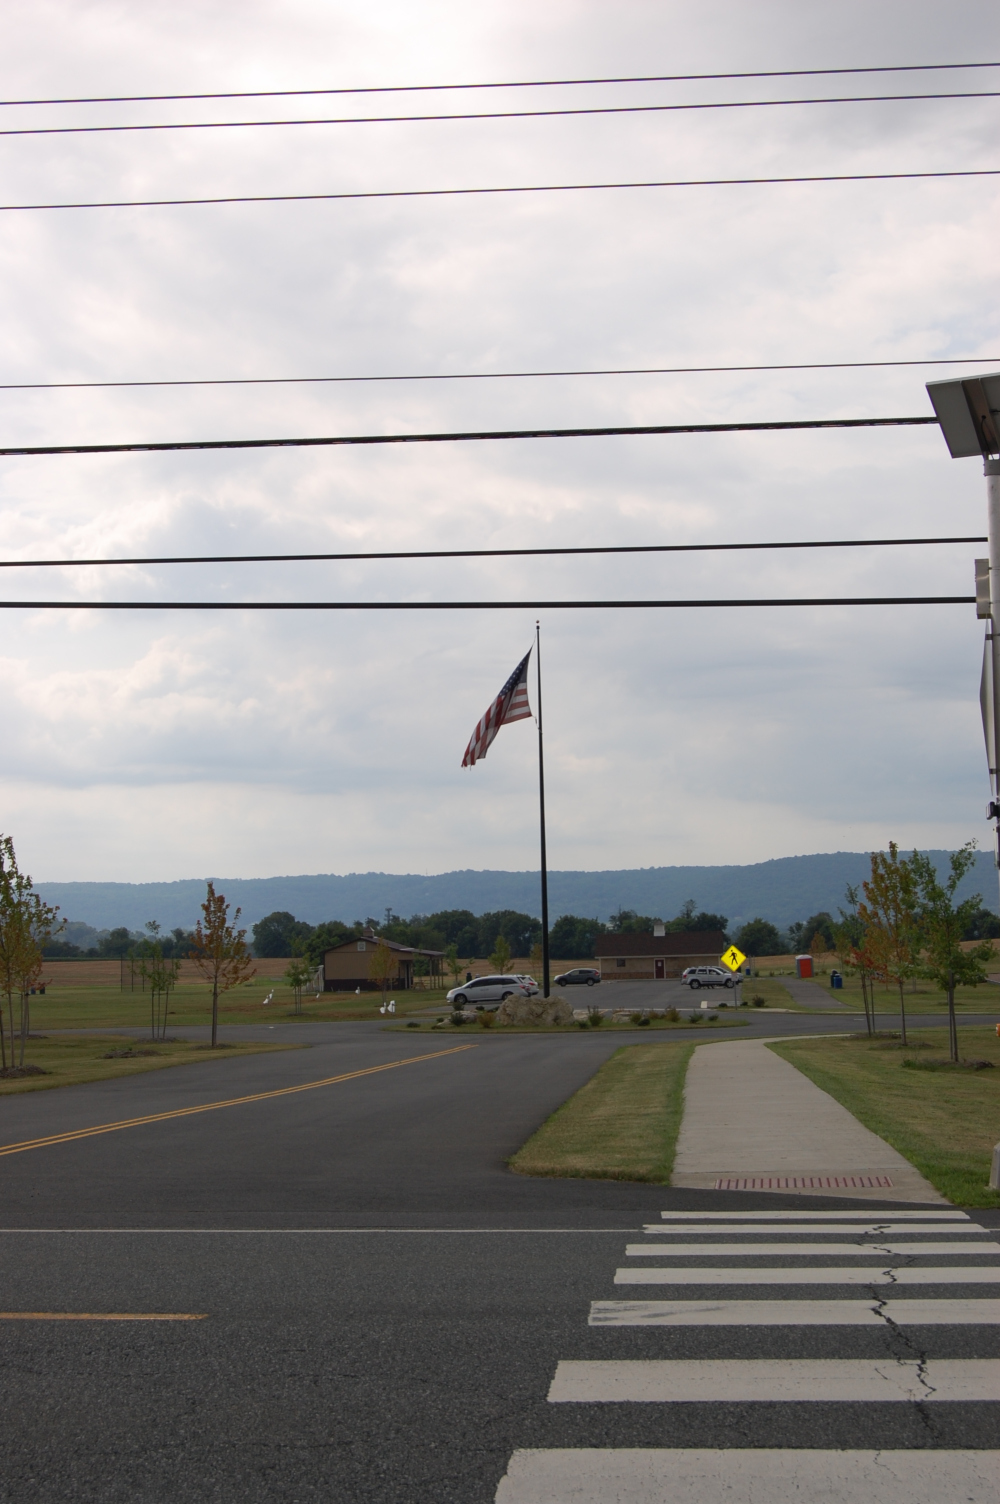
(541, 815)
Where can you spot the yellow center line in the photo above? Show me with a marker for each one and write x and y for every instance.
(102, 1316)
(260, 1096)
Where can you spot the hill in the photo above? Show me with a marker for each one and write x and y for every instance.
(782, 890)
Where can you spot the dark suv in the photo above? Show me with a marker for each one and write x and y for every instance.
(580, 976)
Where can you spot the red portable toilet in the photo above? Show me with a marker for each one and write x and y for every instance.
(804, 966)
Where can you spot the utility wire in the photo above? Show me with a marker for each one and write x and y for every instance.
(557, 605)
(312, 198)
(449, 438)
(822, 365)
(624, 109)
(484, 553)
(537, 83)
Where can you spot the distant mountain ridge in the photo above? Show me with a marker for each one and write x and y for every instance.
(783, 890)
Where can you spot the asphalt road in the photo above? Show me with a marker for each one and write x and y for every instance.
(384, 1304)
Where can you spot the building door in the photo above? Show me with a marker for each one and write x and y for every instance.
(659, 969)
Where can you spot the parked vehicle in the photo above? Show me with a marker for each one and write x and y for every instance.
(707, 976)
(486, 991)
(580, 976)
(531, 986)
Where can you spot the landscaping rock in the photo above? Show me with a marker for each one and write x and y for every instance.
(535, 1010)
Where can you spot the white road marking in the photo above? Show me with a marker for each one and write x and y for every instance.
(687, 1475)
(796, 1216)
(794, 1312)
(757, 1380)
(859, 1230)
(815, 1250)
(975, 1275)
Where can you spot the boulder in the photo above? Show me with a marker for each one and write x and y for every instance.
(535, 1010)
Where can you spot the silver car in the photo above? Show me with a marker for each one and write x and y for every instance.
(707, 976)
(486, 992)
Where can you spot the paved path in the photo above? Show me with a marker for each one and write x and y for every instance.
(809, 994)
(750, 1116)
(843, 1395)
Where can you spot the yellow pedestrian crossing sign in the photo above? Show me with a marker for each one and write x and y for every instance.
(733, 958)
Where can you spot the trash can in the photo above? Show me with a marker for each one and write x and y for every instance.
(836, 981)
(804, 966)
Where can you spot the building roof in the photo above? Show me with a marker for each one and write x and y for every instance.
(370, 936)
(686, 943)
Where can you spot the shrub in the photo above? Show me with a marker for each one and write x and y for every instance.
(486, 1019)
(672, 1016)
(411, 1023)
(757, 1001)
(644, 1022)
(595, 1017)
(696, 1017)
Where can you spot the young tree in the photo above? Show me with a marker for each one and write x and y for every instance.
(383, 966)
(220, 951)
(943, 924)
(890, 921)
(849, 944)
(297, 974)
(453, 963)
(26, 923)
(500, 959)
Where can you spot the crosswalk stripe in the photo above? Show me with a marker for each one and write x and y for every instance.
(859, 1230)
(703, 1475)
(923, 1275)
(794, 1312)
(760, 1380)
(815, 1250)
(796, 1216)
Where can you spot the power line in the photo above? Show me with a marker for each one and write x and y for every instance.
(822, 365)
(450, 438)
(313, 198)
(557, 605)
(484, 553)
(624, 109)
(538, 83)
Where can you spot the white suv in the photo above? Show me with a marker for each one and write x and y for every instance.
(707, 976)
(483, 990)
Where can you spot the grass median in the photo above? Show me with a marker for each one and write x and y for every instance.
(944, 1119)
(69, 1060)
(622, 1125)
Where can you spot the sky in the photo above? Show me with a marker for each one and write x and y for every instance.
(157, 745)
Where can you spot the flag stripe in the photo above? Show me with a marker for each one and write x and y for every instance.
(511, 704)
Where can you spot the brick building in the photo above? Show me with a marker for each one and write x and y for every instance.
(632, 958)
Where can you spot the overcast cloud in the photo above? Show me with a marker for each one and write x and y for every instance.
(163, 745)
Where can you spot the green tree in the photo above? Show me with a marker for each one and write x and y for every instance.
(759, 937)
(982, 925)
(383, 967)
(453, 964)
(297, 974)
(159, 973)
(849, 943)
(500, 958)
(325, 936)
(628, 922)
(572, 938)
(942, 927)
(689, 922)
(26, 923)
(280, 934)
(889, 916)
(118, 943)
(220, 951)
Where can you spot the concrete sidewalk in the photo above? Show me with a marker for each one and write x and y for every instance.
(753, 1122)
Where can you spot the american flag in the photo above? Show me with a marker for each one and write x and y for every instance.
(511, 704)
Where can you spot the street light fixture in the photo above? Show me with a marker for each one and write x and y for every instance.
(969, 413)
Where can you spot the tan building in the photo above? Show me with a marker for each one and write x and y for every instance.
(346, 966)
(653, 958)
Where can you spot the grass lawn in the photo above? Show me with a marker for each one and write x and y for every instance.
(945, 1121)
(191, 1005)
(622, 1125)
(926, 998)
(68, 1060)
